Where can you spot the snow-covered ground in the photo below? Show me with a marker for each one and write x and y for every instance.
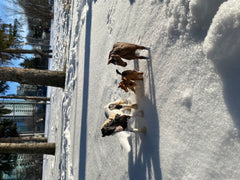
(190, 94)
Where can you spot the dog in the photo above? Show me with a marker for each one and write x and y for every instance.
(124, 50)
(117, 119)
(127, 84)
(130, 75)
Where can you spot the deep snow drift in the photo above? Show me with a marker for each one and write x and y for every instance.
(190, 93)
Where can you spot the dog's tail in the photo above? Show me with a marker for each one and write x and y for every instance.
(118, 72)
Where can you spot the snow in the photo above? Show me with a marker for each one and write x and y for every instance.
(221, 42)
(189, 96)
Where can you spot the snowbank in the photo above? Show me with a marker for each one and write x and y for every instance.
(222, 42)
(202, 13)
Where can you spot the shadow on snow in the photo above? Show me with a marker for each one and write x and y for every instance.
(83, 131)
(145, 161)
(229, 70)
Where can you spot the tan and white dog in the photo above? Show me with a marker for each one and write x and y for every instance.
(117, 118)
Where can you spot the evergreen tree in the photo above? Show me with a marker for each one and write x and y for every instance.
(3, 87)
(9, 38)
(8, 161)
(8, 129)
(31, 63)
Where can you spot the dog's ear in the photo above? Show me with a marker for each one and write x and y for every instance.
(110, 58)
(117, 71)
(109, 61)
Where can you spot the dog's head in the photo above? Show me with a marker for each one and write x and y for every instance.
(123, 86)
(116, 60)
(129, 83)
(107, 132)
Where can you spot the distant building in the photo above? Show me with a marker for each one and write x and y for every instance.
(31, 90)
(24, 114)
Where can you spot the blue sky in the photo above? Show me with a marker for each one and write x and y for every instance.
(2, 10)
(8, 16)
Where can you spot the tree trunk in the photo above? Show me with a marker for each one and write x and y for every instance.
(31, 148)
(24, 51)
(33, 76)
(23, 139)
(36, 98)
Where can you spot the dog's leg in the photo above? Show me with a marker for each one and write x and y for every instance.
(134, 106)
(140, 74)
(121, 101)
(138, 114)
(126, 109)
(132, 89)
(142, 130)
(141, 47)
(142, 57)
(129, 107)
(140, 77)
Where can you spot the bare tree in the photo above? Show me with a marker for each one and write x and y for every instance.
(23, 139)
(30, 148)
(33, 76)
(35, 98)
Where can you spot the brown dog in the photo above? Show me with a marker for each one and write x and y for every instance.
(127, 84)
(126, 51)
(130, 75)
